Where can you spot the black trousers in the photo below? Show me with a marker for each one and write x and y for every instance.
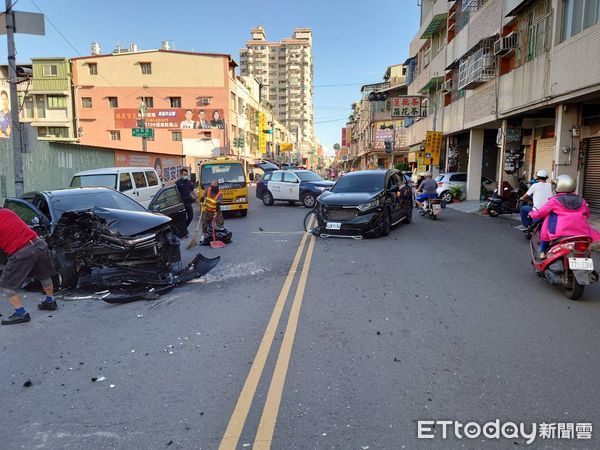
(189, 213)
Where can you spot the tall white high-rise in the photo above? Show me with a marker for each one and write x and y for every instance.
(285, 71)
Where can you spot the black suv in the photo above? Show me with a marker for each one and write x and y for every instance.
(364, 204)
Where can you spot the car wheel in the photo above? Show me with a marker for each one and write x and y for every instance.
(446, 196)
(243, 213)
(67, 272)
(309, 200)
(268, 199)
(386, 224)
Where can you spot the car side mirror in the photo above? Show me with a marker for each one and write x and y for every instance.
(35, 222)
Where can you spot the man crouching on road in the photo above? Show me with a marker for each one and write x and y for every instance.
(211, 207)
(27, 255)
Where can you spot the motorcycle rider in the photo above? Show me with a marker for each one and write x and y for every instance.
(566, 215)
(428, 189)
(541, 191)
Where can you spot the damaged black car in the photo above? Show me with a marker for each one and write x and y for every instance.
(99, 237)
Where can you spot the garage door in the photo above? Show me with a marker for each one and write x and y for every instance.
(544, 154)
(591, 182)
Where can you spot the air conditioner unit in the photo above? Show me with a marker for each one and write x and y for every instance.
(206, 100)
(506, 44)
(446, 86)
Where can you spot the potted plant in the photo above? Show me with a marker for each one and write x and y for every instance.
(456, 192)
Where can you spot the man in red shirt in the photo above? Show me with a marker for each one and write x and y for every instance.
(27, 255)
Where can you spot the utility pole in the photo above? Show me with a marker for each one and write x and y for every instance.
(143, 112)
(16, 132)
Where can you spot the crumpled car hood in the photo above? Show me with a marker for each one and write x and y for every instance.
(119, 222)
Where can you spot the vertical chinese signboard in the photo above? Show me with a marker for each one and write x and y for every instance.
(262, 137)
(344, 137)
(433, 146)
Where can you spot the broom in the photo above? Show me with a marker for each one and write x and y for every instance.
(194, 240)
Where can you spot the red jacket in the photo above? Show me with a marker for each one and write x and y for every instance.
(14, 233)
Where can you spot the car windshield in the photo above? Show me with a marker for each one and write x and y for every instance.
(223, 173)
(102, 180)
(308, 176)
(89, 200)
(372, 182)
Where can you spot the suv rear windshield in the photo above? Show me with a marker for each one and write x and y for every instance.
(106, 180)
(369, 182)
(439, 178)
(308, 176)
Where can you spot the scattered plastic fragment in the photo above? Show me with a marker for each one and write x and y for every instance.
(112, 386)
(101, 378)
(28, 383)
(140, 316)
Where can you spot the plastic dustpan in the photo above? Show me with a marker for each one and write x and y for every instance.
(214, 243)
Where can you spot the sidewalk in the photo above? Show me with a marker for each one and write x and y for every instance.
(476, 207)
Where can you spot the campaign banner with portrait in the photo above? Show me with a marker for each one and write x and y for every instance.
(5, 118)
(178, 118)
(167, 166)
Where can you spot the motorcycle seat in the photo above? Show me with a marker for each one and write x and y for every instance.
(570, 239)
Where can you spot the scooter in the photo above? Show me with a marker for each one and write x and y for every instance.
(508, 202)
(568, 264)
(432, 208)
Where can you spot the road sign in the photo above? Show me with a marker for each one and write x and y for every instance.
(142, 132)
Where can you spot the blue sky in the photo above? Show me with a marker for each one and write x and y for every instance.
(353, 41)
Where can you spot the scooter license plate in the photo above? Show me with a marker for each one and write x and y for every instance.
(437, 207)
(334, 226)
(581, 264)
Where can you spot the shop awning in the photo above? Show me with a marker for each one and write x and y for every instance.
(436, 23)
(433, 82)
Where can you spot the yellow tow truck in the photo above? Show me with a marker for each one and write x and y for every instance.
(230, 174)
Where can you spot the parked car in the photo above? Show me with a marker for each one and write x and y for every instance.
(364, 204)
(138, 183)
(102, 233)
(291, 186)
(446, 180)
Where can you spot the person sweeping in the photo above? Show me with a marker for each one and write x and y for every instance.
(211, 211)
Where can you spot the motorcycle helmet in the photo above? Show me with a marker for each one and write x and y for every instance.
(542, 174)
(565, 183)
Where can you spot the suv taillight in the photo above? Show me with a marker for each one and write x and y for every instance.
(440, 184)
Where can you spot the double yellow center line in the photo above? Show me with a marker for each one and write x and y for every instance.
(266, 427)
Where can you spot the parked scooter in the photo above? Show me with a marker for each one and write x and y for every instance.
(508, 202)
(568, 264)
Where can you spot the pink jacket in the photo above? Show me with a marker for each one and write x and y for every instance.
(566, 215)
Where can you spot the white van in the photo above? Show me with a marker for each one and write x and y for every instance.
(139, 183)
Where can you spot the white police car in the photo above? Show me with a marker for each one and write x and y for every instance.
(291, 186)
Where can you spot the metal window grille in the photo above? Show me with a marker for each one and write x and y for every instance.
(478, 66)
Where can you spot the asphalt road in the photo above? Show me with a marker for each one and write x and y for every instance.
(439, 320)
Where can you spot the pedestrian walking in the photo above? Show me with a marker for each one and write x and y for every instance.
(186, 191)
(211, 207)
(27, 256)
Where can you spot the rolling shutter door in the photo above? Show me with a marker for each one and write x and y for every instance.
(591, 181)
(544, 154)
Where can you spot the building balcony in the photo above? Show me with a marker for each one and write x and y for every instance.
(431, 75)
(433, 19)
(416, 133)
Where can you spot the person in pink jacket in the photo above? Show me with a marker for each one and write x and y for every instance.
(566, 214)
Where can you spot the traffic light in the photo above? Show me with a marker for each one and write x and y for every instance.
(388, 146)
(378, 96)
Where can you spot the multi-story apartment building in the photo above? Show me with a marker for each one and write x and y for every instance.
(45, 93)
(514, 85)
(284, 70)
(371, 124)
(195, 104)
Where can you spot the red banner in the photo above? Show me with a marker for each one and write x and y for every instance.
(201, 119)
(344, 137)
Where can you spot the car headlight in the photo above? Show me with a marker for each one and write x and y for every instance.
(321, 188)
(241, 200)
(368, 206)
